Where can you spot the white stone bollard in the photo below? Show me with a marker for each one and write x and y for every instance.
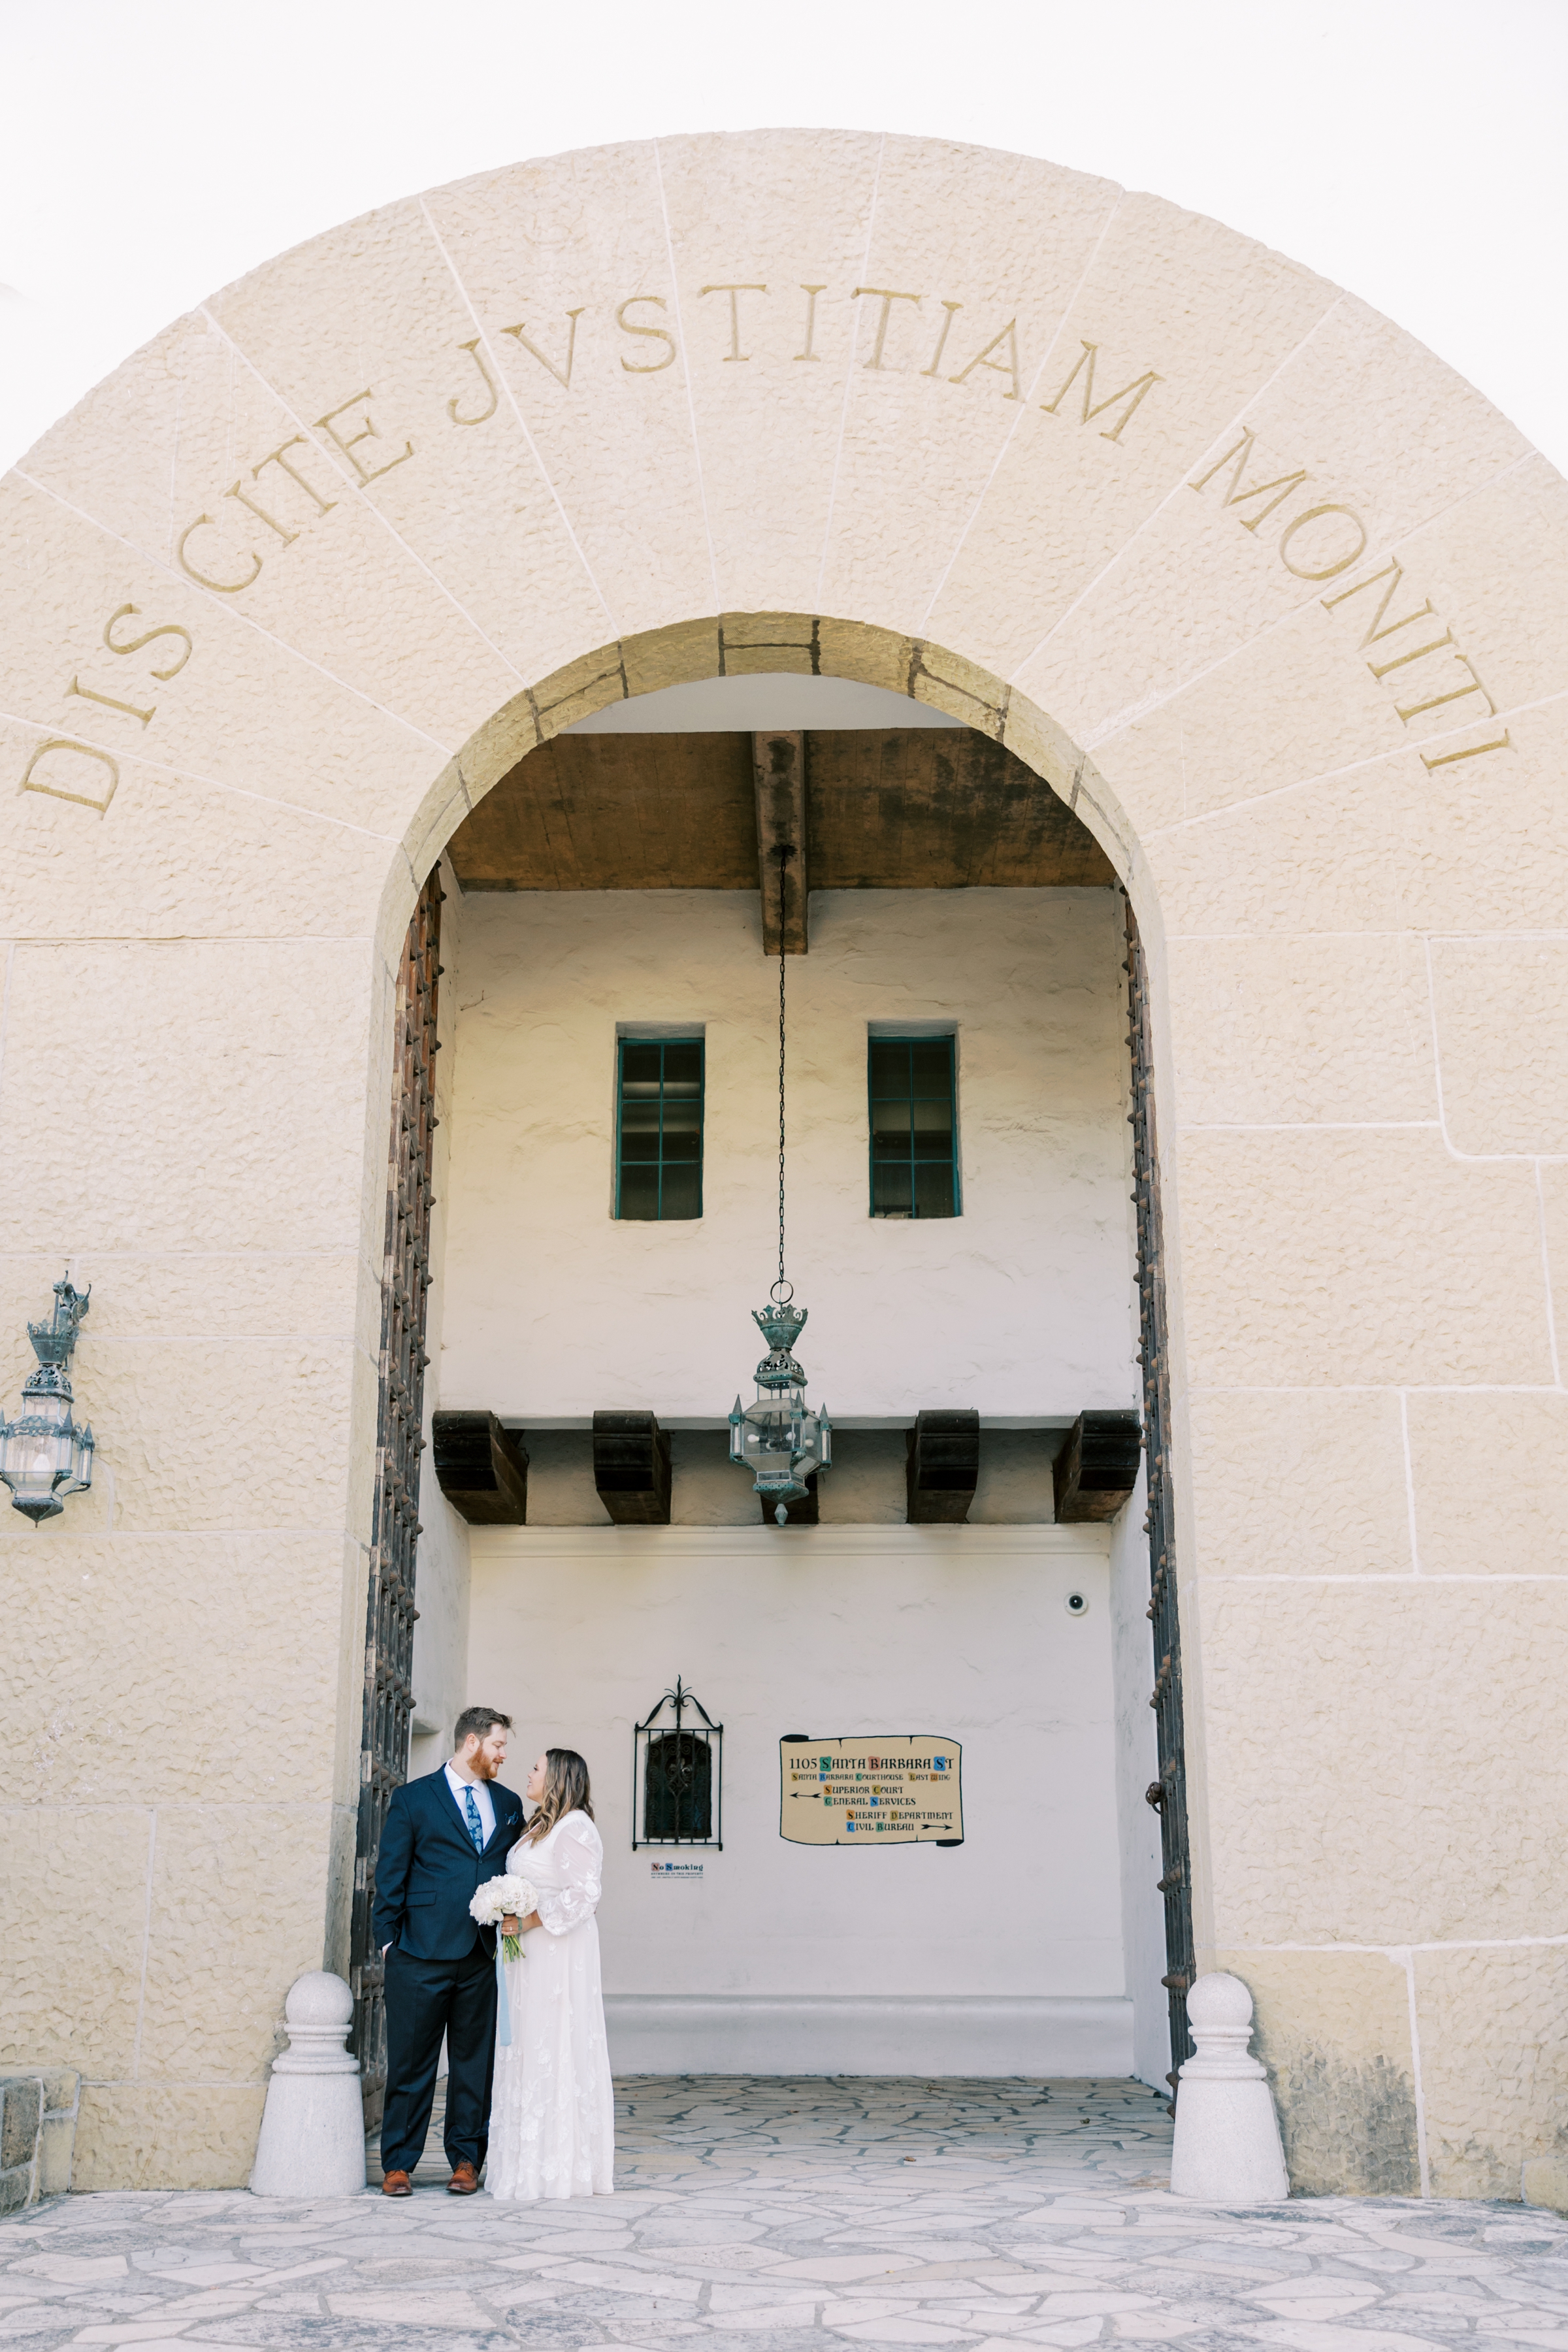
(313, 2133)
(1227, 2150)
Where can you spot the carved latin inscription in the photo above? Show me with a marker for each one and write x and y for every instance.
(55, 767)
(492, 395)
(165, 629)
(64, 781)
(734, 292)
(1330, 537)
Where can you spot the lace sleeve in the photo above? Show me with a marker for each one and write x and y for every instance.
(580, 1854)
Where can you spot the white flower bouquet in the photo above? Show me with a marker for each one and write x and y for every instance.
(500, 1899)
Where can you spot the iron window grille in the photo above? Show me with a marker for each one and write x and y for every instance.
(912, 1087)
(678, 1775)
(658, 1127)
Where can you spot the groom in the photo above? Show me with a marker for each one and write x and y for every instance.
(445, 1835)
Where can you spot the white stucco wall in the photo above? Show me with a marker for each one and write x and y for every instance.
(1003, 1956)
(1022, 1306)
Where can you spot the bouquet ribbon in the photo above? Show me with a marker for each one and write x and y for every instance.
(503, 2006)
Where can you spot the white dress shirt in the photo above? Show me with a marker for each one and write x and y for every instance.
(482, 1798)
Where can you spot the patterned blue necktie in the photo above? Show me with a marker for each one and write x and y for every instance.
(476, 1827)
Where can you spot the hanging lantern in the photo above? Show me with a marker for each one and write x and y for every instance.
(779, 1439)
(44, 1456)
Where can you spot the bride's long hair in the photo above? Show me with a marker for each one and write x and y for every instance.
(565, 1791)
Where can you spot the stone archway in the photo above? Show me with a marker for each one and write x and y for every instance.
(1271, 596)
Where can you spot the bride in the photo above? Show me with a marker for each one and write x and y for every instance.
(553, 2113)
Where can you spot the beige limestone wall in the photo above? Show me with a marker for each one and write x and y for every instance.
(1278, 602)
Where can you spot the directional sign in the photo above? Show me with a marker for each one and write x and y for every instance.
(900, 1789)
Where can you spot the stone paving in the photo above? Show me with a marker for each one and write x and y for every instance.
(800, 2216)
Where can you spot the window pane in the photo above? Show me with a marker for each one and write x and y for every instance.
(913, 1143)
(889, 1067)
(659, 1141)
(682, 1192)
(640, 1191)
(891, 1190)
(933, 1188)
(933, 1060)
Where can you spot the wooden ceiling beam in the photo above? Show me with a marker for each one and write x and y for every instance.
(864, 809)
(778, 764)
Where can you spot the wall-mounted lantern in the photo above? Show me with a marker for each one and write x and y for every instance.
(44, 1456)
(678, 1775)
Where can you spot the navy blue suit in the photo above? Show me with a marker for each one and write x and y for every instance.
(440, 1970)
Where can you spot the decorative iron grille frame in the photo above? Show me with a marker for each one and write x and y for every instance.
(711, 1734)
(390, 1613)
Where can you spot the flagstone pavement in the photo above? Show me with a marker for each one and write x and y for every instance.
(800, 2216)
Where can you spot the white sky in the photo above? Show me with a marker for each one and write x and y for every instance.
(1413, 149)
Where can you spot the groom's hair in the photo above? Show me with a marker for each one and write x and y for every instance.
(475, 1723)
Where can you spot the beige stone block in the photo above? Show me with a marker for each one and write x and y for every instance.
(232, 1433)
(184, 421)
(579, 687)
(1334, 2031)
(1461, 869)
(613, 434)
(1543, 2180)
(1398, 1745)
(57, 2148)
(767, 642)
(1292, 1028)
(781, 211)
(440, 812)
(239, 719)
(875, 656)
(1333, 1258)
(1285, 711)
(1323, 860)
(150, 1669)
(176, 1097)
(671, 656)
(224, 1295)
(1415, 439)
(1297, 1482)
(1496, 568)
(1501, 1009)
(374, 308)
(1494, 2065)
(1007, 237)
(72, 1997)
(162, 2135)
(1067, 496)
(1490, 1479)
(237, 1910)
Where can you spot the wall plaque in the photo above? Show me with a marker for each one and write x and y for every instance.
(903, 1789)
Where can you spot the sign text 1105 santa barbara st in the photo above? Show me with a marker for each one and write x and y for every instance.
(903, 1789)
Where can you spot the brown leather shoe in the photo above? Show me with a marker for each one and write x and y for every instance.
(464, 2182)
(396, 2184)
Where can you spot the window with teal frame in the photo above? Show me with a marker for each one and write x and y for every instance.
(914, 1127)
(658, 1127)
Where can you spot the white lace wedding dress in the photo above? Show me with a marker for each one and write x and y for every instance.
(553, 2112)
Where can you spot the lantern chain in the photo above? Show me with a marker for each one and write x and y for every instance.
(785, 852)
